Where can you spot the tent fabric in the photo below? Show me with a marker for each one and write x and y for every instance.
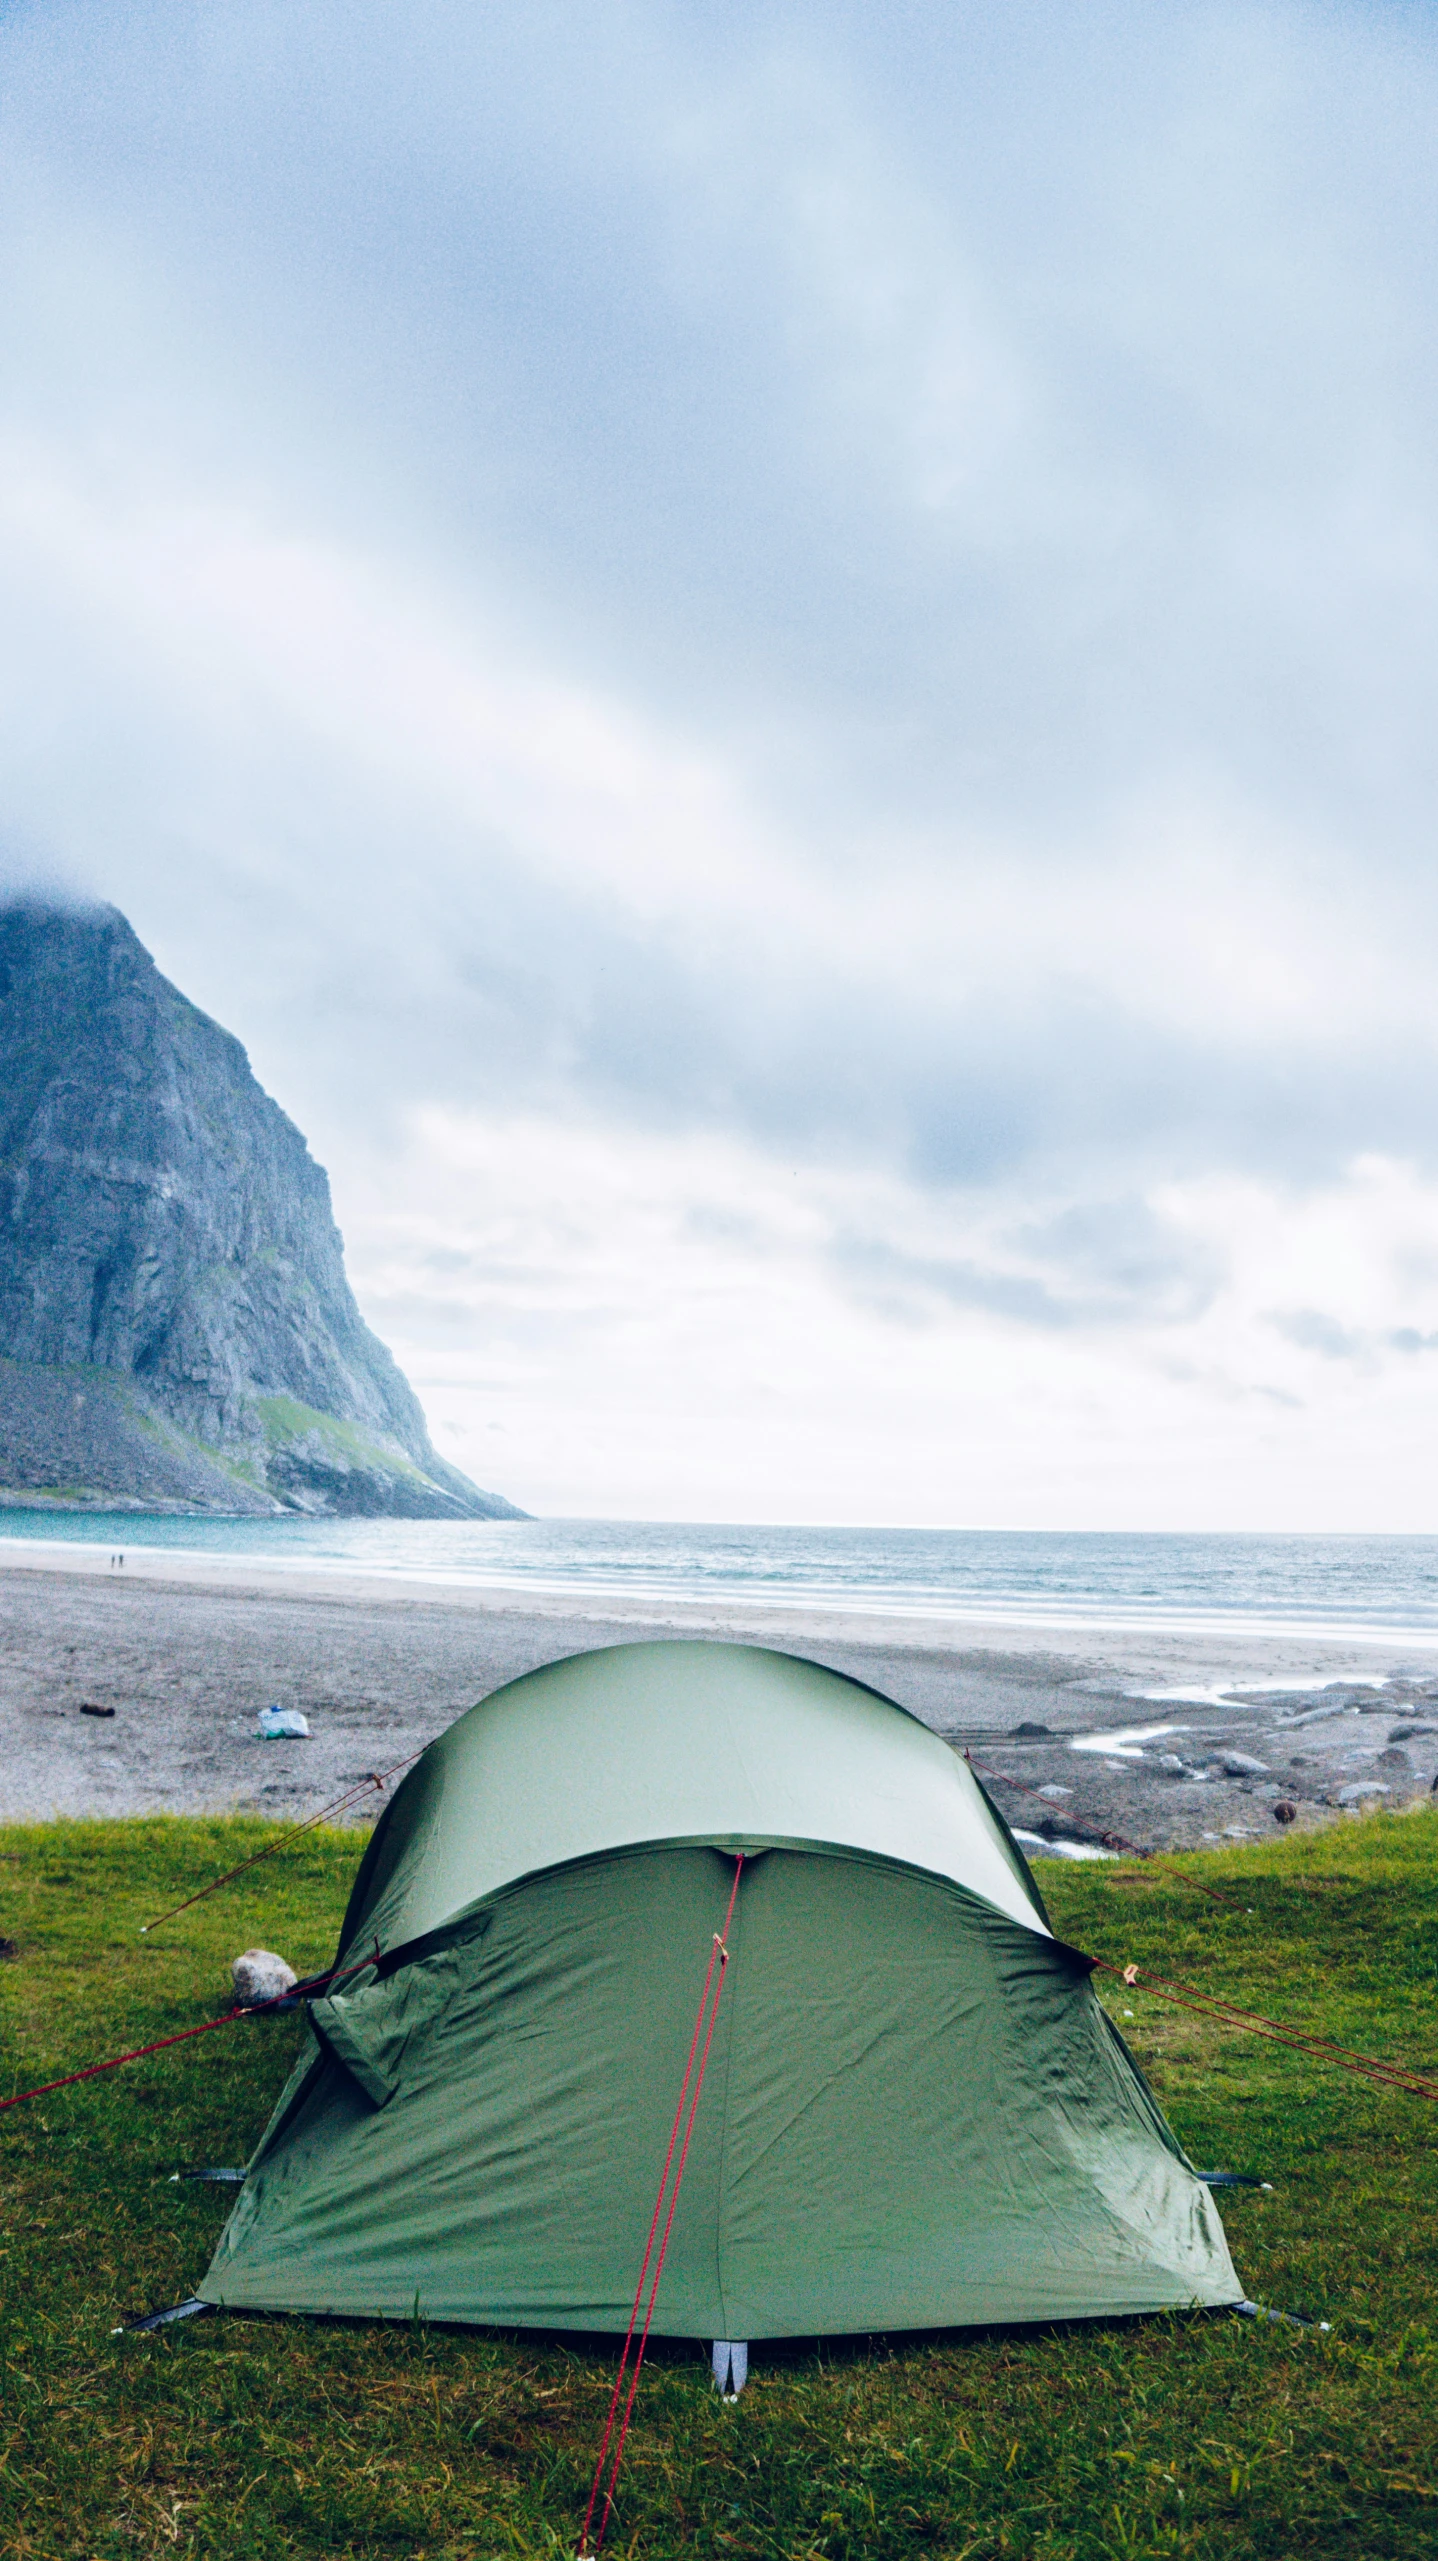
(916, 2114)
(675, 1741)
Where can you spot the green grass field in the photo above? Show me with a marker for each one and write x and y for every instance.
(1198, 2435)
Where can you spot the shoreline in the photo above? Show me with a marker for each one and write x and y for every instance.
(187, 1646)
(1210, 1647)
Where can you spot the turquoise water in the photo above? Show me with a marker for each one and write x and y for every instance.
(1348, 1586)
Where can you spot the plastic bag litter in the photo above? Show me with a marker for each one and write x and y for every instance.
(282, 1724)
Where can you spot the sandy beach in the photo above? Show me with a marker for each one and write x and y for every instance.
(1128, 1730)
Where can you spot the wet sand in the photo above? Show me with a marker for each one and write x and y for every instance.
(187, 1649)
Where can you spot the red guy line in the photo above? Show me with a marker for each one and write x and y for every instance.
(719, 1953)
(1321, 2048)
(375, 1778)
(227, 2018)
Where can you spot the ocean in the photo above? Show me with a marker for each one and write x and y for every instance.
(1384, 1587)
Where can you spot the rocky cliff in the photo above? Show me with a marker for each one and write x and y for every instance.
(176, 1329)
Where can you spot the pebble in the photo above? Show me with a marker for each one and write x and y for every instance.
(1243, 1765)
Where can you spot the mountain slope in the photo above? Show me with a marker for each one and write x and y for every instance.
(176, 1328)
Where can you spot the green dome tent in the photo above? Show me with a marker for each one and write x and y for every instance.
(916, 2112)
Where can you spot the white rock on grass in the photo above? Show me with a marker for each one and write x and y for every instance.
(1361, 1788)
(260, 1975)
(1243, 1765)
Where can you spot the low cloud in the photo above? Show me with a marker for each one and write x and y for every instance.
(1311, 1331)
(1098, 1264)
(909, 1287)
(1124, 1261)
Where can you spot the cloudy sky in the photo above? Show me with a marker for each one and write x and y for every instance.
(779, 661)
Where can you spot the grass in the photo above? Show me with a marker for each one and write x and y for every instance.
(1200, 2436)
(286, 1420)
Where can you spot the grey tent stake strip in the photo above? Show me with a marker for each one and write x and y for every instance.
(185, 2311)
(731, 2366)
(1265, 2312)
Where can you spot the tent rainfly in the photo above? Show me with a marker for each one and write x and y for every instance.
(916, 2114)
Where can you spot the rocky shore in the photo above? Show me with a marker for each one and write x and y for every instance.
(1193, 1773)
